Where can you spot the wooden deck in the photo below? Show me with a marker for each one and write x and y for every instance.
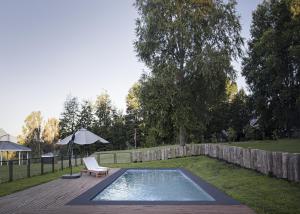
(52, 197)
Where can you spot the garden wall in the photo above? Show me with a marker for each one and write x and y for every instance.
(279, 164)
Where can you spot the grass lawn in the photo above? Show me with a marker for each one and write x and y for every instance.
(20, 171)
(282, 145)
(11, 187)
(261, 193)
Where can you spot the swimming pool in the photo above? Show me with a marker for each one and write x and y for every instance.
(153, 186)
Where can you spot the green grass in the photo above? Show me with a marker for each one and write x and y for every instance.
(21, 184)
(282, 145)
(262, 193)
(20, 171)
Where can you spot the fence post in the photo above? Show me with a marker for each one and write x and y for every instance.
(115, 157)
(130, 157)
(42, 166)
(70, 163)
(28, 168)
(52, 162)
(10, 170)
(75, 160)
(98, 157)
(62, 162)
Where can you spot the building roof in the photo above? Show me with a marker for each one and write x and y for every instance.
(7, 146)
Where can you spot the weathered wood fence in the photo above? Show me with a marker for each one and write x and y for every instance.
(279, 164)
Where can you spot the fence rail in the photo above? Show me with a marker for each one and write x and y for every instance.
(24, 168)
(279, 164)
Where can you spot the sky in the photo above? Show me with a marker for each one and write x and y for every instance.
(50, 49)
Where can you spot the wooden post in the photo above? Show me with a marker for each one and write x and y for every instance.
(52, 162)
(27, 155)
(42, 166)
(10, 170)
(62, 162)
(19, 158)
(28, 167)
(134, 138)
(7, 158)
(75, 159)
(98, 157)
(130, 157)
(115, 157)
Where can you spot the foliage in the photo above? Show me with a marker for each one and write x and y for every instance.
(31, 132)
(133, 117)
(85, 116)
(118, 130)
(188, 46)
(51, 131)
(50, 134)
(232, 134)
(69, 116)
(240, 114)
(272, 64)
(213, 138)
(231, 90)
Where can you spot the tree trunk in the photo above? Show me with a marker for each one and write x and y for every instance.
(182, 135)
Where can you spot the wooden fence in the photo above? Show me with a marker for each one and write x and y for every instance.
(279, 164)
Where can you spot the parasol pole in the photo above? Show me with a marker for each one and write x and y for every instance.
(71, 142)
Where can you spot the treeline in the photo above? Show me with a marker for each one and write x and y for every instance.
(38, 134)
(190, 94)
(189, 46)
(102, 118)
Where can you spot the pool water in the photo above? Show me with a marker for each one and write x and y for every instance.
(153, 185)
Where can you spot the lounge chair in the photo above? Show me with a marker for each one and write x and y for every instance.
(92, 166)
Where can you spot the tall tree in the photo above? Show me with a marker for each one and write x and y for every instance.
(188, 46)
(50, 133)
(103, 115)
(239, 114)
(272, 65)
(133, 116)
(118, 130)
(69, 116)
(86, 117)
(31, 132)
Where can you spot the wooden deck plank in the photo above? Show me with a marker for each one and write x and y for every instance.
(51, 197)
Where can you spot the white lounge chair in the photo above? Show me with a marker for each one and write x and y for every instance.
(92, 166)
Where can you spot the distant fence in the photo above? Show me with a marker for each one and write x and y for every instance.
(113, 157)
(14, 169)
(279, 164)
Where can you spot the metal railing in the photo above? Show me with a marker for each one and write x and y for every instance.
(24, 168)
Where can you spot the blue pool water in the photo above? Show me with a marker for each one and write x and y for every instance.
(153, 185)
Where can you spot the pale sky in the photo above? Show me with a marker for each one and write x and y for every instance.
(52, 48)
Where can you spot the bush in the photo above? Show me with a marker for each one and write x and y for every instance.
(213, 138)
(274, 135)
(232, 134)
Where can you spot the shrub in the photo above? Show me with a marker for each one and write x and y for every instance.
(232, 135)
